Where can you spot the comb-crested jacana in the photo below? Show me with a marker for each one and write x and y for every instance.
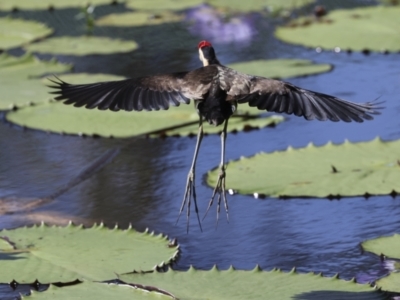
(216, 91)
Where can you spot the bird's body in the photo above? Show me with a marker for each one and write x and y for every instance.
(216, 91)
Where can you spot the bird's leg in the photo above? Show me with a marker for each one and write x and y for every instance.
(220, 186)
(190, 189)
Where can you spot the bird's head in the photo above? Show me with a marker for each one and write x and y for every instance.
(207, 54)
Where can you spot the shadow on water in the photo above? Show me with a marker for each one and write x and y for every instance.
(334, 295)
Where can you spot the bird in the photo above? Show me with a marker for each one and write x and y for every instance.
(216, 91)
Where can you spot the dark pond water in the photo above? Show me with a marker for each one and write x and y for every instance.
(145, 182)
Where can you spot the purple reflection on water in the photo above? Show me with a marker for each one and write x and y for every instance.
(216, 26)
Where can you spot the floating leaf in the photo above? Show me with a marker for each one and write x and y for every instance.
(390, 283)
(387, 245)
(57, 118)
(64, 254)
(280, 68)
(259, 5)
(372, 28)
(236, 123)
(90, 290)
(390, 247)
(18, 85)
(349, 169)
(162, 4)
(45, 4)
(15, 33)
(255, 284)
(84, 45)
(138, 18)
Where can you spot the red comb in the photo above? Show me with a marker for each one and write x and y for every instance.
(204, 44)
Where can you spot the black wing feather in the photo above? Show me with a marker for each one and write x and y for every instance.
(149, 93)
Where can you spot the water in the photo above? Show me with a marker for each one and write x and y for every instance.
(144, 184)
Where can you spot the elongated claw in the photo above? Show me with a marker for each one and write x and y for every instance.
(221, 192)
(190, 190)
(220, 186)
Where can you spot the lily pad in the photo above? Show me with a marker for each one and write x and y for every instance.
(64, 254)
(18, 79)
(163, 4)
(84, 45)
(348, 169)
(138, 18)
(390, 247)
(259, 5)
(91, 290)
(387, 245)
(236, 123)
(15, 32)
(390, 283)
(45, 4)
(57, 118)
(280, 68)
(373, 28)
(255, 284)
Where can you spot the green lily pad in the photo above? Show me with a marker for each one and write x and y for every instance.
(390, 283)
(57, 118)
(138, 18)
(256, 284)
(348, 169)
(387, 245)
(84, 45)
(15, 32)
(91, 290)
(236, 123)
(64, 254)
(390, 247)
(162, 4)
(281, 68)
(18, 83)
(45, 4)
(372, 28)
(259, 5)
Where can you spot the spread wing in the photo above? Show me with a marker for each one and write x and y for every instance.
(148, 93)
(282, 97)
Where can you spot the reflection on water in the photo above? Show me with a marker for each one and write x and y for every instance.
(144, 184)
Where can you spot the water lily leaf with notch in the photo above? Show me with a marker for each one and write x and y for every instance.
(162, 4)
(83, 45)
(18, 83)
(390, 247)
(15, 32)
(45, 4)
(60, 118)
(348, 169)
(372, 28)
(57, 118)
(64, 254)
(281, 68)
(138, 18)
(255, 284)
(387, 245)
(259, 5)
(94, 290)
(237, 123)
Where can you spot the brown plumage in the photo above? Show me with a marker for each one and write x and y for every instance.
(216, 91)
